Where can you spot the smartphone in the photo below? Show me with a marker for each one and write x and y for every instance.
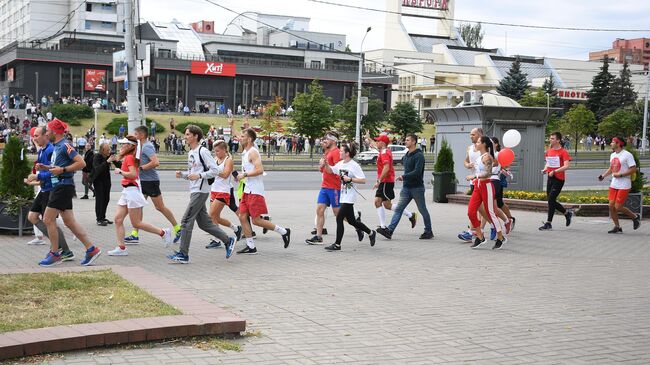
(235, 173)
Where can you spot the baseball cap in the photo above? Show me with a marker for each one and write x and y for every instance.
(382, 138)
(57, 126)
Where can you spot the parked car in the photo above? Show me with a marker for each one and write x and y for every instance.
(371, 155)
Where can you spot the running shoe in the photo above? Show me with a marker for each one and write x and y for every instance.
(118, 251)
(91, 256)
(287, 238)
(360, 235)
(568, 215)
(108, 222)
(102, 223)
(179, 258)
(36, 241)
(636, 222)
(426, 236)
(314, 240)
(385, 232)
(167, 237)
(84, 197)
(333, 247)
(213, 244)
(413, 219)
(477, 242)
(465, 236)
(264, 230)
(174, 253)
(177, 235)
(499, 243)
(546, 227)
(51, 259)
(324, 231)
(131, 239)
(513, 220)
(230, 246)
(493, 233)
(67, 256)
(616, 230)
(372, 236)
(238, 233)
(248, 250)
(359, 216)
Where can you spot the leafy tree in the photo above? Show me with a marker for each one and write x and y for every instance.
(346, 113)
(621, 93)
(15, 167)
(539, 99)
(472, 35)
(577, 122)
(312, 113)
(270, 120)
(404, 119)
(515, 84)
(621, 122)
(600, 86)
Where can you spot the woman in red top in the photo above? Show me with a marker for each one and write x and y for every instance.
(132, 200)
(557, 161)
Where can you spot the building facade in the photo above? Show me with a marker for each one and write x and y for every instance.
(634, 51)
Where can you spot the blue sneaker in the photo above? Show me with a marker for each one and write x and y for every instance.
(230, 246)
(493, 233)
(91, 256)
(465, 236)
(213, 244)
(179, 258)
(51, 259)
(178, 236)
(131, 239)
(173, 254)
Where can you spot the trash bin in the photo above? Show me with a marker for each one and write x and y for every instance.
(443, 184)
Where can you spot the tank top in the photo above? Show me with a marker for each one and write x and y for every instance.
(254, 184)
(221, 185)
(496, 169)
(473, 156)
(479, 166)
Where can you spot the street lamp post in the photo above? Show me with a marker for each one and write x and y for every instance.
(357, 135)
(36, 96)
(96, 106)
(644, 143)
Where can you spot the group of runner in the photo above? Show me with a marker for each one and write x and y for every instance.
(215, 178)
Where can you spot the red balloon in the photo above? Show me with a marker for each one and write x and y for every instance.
(506, 157)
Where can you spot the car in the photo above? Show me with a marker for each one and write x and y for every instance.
(370, 156)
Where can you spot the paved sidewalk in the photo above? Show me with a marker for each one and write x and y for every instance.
(570, 296)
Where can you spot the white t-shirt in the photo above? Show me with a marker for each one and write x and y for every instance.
(621, 162)
(350, 169)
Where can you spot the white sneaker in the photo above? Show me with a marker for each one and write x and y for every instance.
(168, 239)
(118, 252)
(36, 241)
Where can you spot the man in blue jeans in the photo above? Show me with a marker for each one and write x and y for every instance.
(413, 189)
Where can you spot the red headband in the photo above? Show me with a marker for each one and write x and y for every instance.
(619, 141)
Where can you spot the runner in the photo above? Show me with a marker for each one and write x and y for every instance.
(65, 161)
(330, 189)
(150, 183)
(132, 200)
(483, 194)
(220, 193)
(495, 179)
(622, 167)
(557, 162)
(42, 179)
(350, 174)
(252, 203)
(385, 181)
(470, 157)
(201, 168)
(503, 176)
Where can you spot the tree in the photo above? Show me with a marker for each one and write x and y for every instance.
(404, 119)
(550, 89)
(346, 112)
(270, 121)
(577, 122)
(621, 93)
(312, 114)
(515, 84)
(619, 123)
(15, 167)
(472, 35)
(539, 99)
(599, 89)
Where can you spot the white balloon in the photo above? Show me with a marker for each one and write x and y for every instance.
(511, 138)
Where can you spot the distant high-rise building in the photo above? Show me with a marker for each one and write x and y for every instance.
(203, 26)
(635, 51)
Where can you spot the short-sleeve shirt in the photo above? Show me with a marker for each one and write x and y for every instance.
(555, 159)
(352, 170)
(386, 158)
(129, 160)
(620, 163)
(63, 156)
(332, 181)
(147, 152)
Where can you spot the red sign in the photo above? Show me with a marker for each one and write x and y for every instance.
(426, 4)
(572, 94)
(95, 80)
(214, 68)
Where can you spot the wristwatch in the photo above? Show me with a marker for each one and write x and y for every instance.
(245, 174)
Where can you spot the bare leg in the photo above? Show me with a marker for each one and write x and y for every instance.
(320, 219)
(613, 213)
(120, 213)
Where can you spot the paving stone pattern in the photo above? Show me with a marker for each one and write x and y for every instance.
(569, 296)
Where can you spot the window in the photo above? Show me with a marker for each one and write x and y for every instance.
(89, 7)
(88, 24)
(107, 7)
(315, 64)
(107, 25)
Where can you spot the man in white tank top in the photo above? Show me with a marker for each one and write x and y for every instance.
(470, 158)
(252, 203)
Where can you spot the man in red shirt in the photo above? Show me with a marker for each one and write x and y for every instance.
(557, 161)
(330, 190)
(385, 181)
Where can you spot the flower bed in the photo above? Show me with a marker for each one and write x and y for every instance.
(578, 197)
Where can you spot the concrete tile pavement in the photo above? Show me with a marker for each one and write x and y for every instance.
(572, 295)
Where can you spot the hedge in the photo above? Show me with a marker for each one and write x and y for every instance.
(72, 113)
(181, 127)
(114, 126)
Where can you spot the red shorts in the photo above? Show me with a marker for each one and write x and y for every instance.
(253, 204)
(618, 195)
(222, 197)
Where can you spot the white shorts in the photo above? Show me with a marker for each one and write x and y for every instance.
(132, 197)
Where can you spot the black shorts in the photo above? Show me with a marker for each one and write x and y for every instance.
(385, 191)
(61, 197)
(150, 188)
(498, 192)
(40, 202)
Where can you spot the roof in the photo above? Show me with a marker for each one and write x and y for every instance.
(189, 41)
(533, 70)
(425, 43)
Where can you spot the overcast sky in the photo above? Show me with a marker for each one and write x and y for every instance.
(624, 14)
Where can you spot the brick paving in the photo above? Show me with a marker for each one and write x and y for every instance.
(570, 296)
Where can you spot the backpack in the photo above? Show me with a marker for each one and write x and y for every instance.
(205, 168)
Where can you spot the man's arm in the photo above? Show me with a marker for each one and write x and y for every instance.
(468, 164)
(152, 164)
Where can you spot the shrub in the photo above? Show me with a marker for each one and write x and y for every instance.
(639, 181)
(181, 127)
(445, 161)
(114, 126)
(14, 169)
(72, 113)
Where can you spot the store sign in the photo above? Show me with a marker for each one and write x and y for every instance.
(427, 4)
(10, 74)
(94, 80)
(569, 94)
(214, 68)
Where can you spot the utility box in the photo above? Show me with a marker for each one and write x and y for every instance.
(455, 124)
